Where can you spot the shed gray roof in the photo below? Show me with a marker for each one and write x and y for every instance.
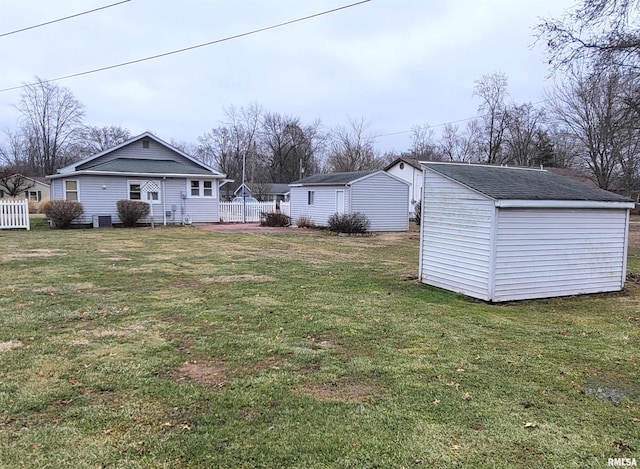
(135, 165)
(332, 179)
(502, 183)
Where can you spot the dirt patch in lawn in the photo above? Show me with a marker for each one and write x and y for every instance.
(207, 373)
(6, 346)
(344, 392)
(33, 253)
(239, 278)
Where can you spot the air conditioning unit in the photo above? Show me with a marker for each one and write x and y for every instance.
(102, 221)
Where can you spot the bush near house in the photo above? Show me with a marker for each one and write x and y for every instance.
(417, 213)
(62, 212)
(130, 211)
(305, 221)
(350, 223)
(274, 219)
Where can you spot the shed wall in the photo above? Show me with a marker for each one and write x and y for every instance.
(414, 177)
(455, 237)
(383, 200)
(324, 204)
(542, 253)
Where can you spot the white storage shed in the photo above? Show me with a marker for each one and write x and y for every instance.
(382, 197)
(501, 234)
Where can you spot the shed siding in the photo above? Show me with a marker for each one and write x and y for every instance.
(414, 177)
(98, 201)
(542, 253)
(324, 204)
(135, 150)
(455, 237)
(384, 200)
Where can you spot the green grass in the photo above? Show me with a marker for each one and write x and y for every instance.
(178, 347)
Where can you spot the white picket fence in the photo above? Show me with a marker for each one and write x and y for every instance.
(233, 211)
(285, 208)
(14, 214)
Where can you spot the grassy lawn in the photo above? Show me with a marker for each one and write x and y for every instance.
(179, 347)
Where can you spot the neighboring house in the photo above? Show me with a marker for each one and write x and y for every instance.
(35, 189)
(179, 187)
(501, 234)
(272, 191)
(409, 170)
(381, 196)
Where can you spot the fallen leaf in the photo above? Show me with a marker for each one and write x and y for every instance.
(436, 402)
(36, 445)
(564, 332)
(530, 425)
(467, 396)
(125, 309)
(455, 447)
(72, 381)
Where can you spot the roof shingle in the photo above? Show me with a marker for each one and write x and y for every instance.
(332, 178)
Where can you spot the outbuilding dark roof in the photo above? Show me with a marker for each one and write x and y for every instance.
(332, 179)
(402, 159)
(503, 183)
(148, 166)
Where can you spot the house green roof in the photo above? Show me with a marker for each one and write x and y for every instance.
(503, 183)
(148, 166)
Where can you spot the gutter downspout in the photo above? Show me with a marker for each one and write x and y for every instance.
(164, 202)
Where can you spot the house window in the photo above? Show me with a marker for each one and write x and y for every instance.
(200, 188)
(71, 190)
(145, 144)
(34, 195)
(140, 191)
(208, 188)
(310, 197)
(135, 193)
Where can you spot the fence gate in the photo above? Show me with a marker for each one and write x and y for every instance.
(14, 214)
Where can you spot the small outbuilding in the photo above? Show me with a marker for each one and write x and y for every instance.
(501, 234)
(382, 197)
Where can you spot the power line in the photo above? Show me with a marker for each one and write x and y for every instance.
(217, 41)
(62, 19)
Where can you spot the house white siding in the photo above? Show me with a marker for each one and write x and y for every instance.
(542, 253)
(324, 203)
(383, 200)
(455, 237)
(415, 179)
(99, 195)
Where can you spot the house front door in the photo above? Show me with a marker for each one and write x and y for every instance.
(339, 201)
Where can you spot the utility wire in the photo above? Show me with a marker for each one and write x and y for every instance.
(217, 41)
(62, 19)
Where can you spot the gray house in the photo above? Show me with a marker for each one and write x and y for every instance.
(382, 197)
(179, 188)
(500, 234)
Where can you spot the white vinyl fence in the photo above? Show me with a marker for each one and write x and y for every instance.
(14, 214)
(285, 208)
(233, 211)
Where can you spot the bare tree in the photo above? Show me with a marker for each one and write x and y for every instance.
(492, 90)
(288, 147)
(351, 148)
(52, 123)
(605, 32)
(523, 135)
(95, 139)
(14, 184)
(591, 111)
(423, 146)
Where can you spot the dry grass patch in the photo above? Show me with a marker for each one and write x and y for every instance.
(10, 345)
(33, 253)
(207, 373)
(239, 278)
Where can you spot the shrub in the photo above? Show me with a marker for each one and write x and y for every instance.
(350, 223)
(62, 212)
(305, 221)
(130, 211)
(417, 213)
(274, 219)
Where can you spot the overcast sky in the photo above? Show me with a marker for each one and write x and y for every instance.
(396, 63)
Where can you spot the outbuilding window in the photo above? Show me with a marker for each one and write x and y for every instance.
(310, 197)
